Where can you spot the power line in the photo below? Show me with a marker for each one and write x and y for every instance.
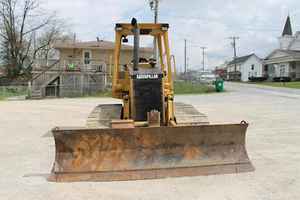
(203, 48)
(263, 27)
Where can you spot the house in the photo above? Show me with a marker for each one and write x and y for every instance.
(284, 63)
(82, 68)
(244, 68)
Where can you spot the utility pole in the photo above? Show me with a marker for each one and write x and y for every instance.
(185, 58)
(234, 39)
(154, 7)
(187, 62)
(203, 57)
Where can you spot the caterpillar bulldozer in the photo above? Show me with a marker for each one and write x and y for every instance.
(148, 136)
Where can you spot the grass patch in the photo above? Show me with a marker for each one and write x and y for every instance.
(102, 94)
(179, 87)
(12, 91)
(192, 88)
(106, 93)
(294, 85)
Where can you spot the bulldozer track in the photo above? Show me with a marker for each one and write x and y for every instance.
(186, 114)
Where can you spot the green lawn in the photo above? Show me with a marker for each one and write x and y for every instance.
(295, 85)
(12, 91)
(192, 88)
(179, 87)
(102, 94)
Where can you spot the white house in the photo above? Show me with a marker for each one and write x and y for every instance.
(245, 67)
(284, 63)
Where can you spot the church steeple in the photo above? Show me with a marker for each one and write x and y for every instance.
(287, 27)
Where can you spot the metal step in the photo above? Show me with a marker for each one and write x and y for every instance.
(36, 94)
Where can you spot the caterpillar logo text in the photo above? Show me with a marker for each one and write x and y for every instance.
(147, 76)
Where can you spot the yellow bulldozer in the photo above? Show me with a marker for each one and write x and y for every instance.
(148, 136)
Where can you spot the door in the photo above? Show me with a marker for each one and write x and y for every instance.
(282, 71)
(52, 89)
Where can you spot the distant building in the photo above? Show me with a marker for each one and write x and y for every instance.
(284, 63)
(83, 68)
(244, 68)
(221, 71)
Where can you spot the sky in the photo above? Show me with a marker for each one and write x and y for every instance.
(257, 23)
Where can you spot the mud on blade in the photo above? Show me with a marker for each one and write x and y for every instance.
(148, 153)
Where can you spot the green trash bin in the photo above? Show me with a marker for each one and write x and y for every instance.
(219, 84)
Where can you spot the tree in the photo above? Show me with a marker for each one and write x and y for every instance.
(47, 38)
(20, 22)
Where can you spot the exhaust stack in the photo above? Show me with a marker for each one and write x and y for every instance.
(136, 47)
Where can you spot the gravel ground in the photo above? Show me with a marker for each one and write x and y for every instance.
(273, 144)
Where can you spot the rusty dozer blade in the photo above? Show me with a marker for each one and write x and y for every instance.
(147, 153)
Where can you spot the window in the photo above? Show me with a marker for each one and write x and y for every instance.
(293, 64)
(282, 70)
(87, 57)
(266, 67)
(252, 67)
(99, 68)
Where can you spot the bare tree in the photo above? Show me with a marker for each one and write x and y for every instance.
(44, 42)
(20, 21)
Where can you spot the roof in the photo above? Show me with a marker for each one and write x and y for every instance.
(105, 45)
(293, 53)
(287, 27)
(290, 53)
(240, 59)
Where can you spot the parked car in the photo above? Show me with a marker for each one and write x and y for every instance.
(208, 78)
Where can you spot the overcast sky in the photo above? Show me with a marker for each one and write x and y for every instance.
(258, 23)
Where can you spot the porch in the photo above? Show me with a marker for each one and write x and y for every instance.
(288, 71)
(234, 76)
(92, 65)
(68, 78)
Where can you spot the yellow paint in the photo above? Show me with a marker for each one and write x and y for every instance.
(122, 86)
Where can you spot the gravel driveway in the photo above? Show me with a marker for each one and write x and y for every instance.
(273, 144)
